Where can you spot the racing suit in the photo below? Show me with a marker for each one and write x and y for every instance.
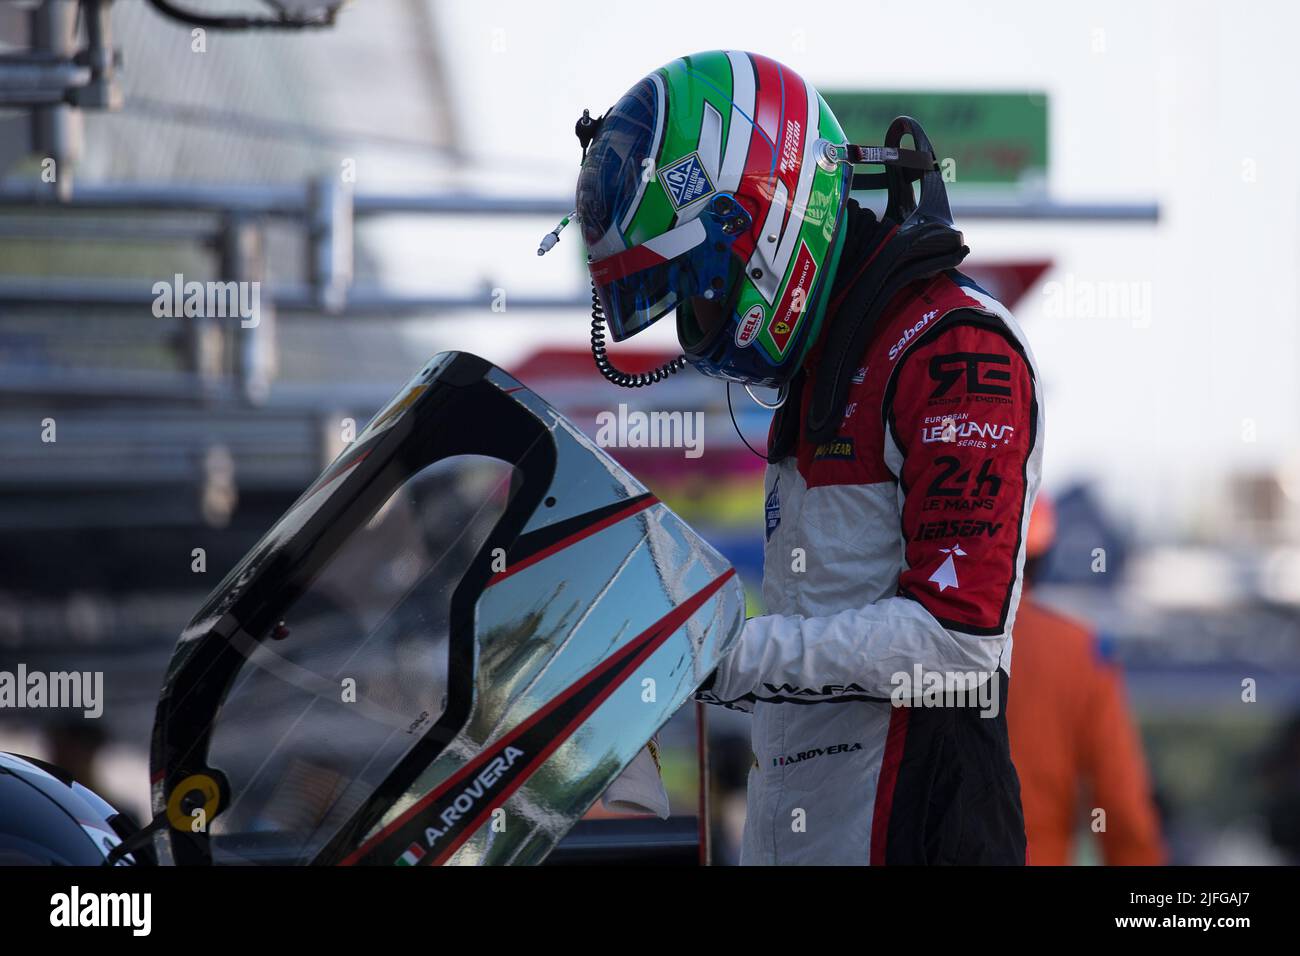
(898, 545)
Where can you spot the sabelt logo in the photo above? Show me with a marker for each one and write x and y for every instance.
(749, 325)
(911, 333)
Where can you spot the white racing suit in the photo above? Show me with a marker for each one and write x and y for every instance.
(893, 560)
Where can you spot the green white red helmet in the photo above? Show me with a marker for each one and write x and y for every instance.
(712, 189)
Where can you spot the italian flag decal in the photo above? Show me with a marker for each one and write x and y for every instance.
(412, 856)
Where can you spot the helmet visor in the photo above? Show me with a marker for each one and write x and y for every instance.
(638, 286)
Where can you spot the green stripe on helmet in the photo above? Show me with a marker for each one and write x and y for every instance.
(689, 82)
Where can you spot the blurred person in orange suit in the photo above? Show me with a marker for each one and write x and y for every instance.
(1073, 740)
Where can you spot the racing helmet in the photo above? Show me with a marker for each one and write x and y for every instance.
(712, 189)
(48, 819)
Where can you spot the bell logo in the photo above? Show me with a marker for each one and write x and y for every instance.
(750, 323)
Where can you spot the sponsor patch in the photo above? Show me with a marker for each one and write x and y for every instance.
(686, 181)
(910, 333)
(959, 505)
(982, 373)
(932, 530)
(945, 576)
(772, 509)
(785, 691)
(789, 311)
(750, 323)
(953, 481)
(837, 449)
(786, 759)
(964, 431)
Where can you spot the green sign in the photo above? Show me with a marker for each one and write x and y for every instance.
(979, 138)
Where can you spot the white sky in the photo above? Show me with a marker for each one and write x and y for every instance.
(1189, 104)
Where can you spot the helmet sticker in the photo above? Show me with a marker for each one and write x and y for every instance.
(748, 328)
(685, 181)
(788, 313)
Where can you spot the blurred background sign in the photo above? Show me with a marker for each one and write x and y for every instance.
(992, 139)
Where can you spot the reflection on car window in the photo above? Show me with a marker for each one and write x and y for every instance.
(355, 672)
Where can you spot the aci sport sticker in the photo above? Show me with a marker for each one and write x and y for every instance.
(686, 181)
(750, 324)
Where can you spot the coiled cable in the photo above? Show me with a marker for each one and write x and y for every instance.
(600, 354)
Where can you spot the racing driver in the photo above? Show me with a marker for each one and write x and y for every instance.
(903, 460)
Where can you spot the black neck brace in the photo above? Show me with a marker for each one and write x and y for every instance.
(870, 274)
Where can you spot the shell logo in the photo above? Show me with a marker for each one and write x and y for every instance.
(749, 325)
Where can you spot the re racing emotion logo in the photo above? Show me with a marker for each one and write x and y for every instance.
(983, 373)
